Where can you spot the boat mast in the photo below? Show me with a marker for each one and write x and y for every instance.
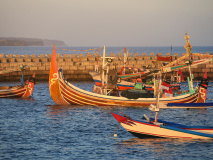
(103, 65)
(22, 67)
(155, 89)
(106, 62)
(125, 59)
(158, 96)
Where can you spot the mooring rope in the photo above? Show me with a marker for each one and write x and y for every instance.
(114, 131)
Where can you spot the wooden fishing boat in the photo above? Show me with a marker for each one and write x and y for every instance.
(20, 91)
(123, 85)
(65, 93)
(163, 129)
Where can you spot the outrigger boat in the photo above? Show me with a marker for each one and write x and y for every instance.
(65, 93)
(23, 91)
(155, 128)
(121, 85)
(127, 81)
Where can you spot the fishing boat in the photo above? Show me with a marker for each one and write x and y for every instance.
(149, 128)
(23, 91)
(155, 128)
(139, 71)
(65, 93)
(123, 84)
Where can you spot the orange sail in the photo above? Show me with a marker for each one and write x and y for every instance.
(54, 88)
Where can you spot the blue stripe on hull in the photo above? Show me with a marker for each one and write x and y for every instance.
(191, 104)
(187, 131)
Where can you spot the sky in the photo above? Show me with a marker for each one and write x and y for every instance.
(110, 22)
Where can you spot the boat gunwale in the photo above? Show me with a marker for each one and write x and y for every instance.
(123, 98)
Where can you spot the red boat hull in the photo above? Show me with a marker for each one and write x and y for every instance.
(64, 93)
(24, 91)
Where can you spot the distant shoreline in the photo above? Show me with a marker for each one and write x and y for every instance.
(13, 41)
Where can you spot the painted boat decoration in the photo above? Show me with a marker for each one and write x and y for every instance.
(64, 93)
(163, 129)
(21, 91)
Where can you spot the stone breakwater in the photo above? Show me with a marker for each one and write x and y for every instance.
(76, 67)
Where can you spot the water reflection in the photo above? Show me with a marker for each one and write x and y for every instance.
(161, 147)
(60, 109)
(152, 142)
(55, 110)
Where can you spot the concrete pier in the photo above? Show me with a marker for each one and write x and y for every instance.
(76, 67)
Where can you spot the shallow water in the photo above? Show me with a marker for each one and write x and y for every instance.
(36, 128)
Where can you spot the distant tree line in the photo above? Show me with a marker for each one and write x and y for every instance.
(29, 42)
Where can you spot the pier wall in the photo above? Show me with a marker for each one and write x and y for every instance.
(76, 67)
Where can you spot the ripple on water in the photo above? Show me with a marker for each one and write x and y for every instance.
(36, 128)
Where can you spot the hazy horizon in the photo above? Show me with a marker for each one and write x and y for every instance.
(111, 23)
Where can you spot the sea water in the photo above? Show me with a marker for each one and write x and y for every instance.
(37, 128)
(37, 50)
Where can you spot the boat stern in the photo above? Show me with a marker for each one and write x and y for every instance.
(203, 89)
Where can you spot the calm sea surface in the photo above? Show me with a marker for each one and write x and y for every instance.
(69, 50)
(36, 128)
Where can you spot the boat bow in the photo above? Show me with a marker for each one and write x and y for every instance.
(54, 87)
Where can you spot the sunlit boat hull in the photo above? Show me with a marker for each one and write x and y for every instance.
(64, 93)
(143, 129)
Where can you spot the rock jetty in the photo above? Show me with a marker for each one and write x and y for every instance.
(76, 67)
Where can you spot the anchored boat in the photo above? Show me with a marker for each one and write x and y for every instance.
(162, 129)
(65, 93)
(24, 90)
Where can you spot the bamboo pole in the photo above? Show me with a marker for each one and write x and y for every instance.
(103, 65)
